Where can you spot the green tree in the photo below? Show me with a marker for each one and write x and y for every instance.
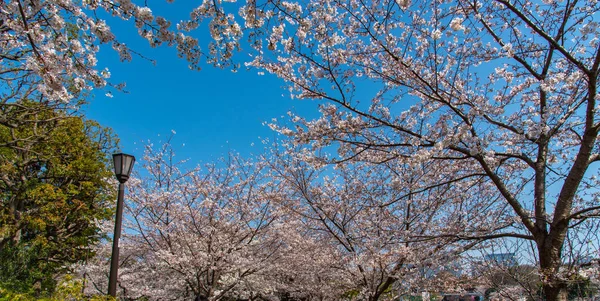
(54, 189)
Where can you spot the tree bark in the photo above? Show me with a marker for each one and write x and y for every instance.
(555, 293)
(550, 251)
(200, 298)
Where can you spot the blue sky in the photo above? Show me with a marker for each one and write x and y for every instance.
(212, 111)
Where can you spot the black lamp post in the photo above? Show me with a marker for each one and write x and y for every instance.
(123, 166)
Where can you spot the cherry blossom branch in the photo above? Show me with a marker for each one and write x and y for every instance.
(545, 35)
(31, 42)
(580, 214)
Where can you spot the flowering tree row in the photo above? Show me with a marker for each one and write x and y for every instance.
(240, 229)
(278, 227)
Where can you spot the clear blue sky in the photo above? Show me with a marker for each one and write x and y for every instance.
(213, 111)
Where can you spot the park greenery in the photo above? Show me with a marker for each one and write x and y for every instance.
(55, 190)
(446, 128)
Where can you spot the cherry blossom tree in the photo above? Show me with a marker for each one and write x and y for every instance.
(387, 237)
(208, 233)
(501, 92)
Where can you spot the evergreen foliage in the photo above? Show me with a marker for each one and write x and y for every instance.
(54, 189)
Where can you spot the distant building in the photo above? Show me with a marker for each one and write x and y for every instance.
(501, 259)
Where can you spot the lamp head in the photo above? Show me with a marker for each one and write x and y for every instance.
(123, 165)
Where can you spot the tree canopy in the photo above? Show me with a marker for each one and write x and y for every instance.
(495, 101)
(495, 93)
(54, 192)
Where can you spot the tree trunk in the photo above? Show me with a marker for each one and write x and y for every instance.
(200, 298)
(556, 293)
(554, 288)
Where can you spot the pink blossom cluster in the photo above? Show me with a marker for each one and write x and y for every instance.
(49, 47)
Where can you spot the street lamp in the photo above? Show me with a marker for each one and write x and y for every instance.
(123, 165)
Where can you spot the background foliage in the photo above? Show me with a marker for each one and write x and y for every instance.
(54, 189)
